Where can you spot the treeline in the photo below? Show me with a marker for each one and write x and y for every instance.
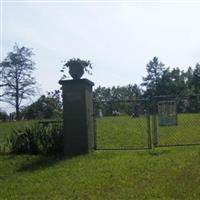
(117, 93)
(46, 107)
(160, 80)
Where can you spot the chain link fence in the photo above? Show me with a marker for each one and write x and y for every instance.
(122, 124)
(143, 123)
(176, 120)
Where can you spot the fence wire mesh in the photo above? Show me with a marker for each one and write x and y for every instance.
(176, 121)
(122, 124)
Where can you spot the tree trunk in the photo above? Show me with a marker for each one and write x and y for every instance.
(17, 101)
(17, 111)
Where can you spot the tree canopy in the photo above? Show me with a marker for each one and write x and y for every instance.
(17, 80)
(170, 81)
(47, 106)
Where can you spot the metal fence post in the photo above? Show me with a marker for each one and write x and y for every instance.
(149, 131)
(154, 124)
(94, 124)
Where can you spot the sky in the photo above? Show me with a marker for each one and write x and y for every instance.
(119, 38)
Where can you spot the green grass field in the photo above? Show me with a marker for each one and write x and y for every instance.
(167, 173)
(121, 132)
(187, 131)
(127, 132)
(161, 173)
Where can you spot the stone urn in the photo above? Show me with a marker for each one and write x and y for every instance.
(76, 71)
(77, 67)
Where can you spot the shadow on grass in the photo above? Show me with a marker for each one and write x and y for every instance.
(4, 154)
(7, 156)
(41, 162)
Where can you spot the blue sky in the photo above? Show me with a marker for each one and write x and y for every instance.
(118, 38)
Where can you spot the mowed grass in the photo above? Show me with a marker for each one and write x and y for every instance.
(126, 132)
(121, 132)
(161, 173)
(156, 174)
(187, 131)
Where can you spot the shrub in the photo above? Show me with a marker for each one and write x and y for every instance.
(37, 138)
(51, 138)
(3, 115)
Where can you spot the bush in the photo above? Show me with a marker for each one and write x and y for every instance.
(51, 138)
(37, 138)
(3, 115)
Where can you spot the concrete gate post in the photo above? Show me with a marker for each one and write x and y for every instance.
(78, 116)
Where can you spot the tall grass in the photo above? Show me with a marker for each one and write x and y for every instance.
(33, 138)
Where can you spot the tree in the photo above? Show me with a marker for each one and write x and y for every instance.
(3, 115)
(129, 92)
(165, 83)
(155, 70)
(109, 99)
(16, 70)
(179, 86)
(47, 106)
(188, 80)
(196, 79)
(1, 84)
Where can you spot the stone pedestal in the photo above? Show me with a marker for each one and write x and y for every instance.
(78, 116)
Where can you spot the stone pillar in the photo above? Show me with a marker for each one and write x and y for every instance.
(78, 116)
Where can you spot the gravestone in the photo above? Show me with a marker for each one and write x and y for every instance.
(78, 116)
(167, 113)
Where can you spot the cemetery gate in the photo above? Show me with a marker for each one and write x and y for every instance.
(122, 124)
(143, 124)
(176, 121)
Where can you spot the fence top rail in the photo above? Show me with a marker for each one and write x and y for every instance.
(120, 100)
(146, 99)
(177, 96)
(164, 102)
(46, 122)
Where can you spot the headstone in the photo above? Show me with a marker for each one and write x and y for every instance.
(100, 113)
(167, 113)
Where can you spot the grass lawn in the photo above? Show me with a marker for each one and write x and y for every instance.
(162, 173)
(167, 173)
(127, 132)
(187, 131)
(121, 132)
